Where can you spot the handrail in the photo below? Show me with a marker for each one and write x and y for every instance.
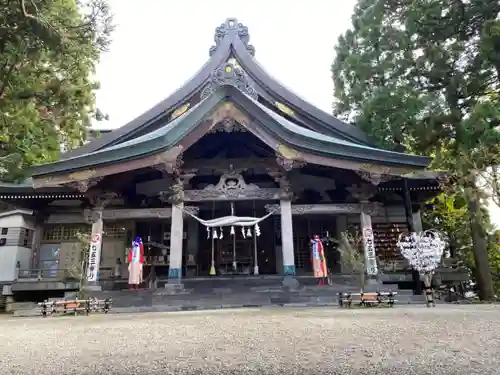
(39, 273)
(43, 274)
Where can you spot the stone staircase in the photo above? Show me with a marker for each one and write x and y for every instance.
(237, 292)
(217, 293)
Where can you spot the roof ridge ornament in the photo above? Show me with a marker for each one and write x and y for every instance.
(232, 27)
(229, 74)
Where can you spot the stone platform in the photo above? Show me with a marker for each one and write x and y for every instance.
(213, 293)
(234, 292)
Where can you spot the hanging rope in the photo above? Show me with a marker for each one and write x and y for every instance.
(235, 266)
(226, 221)
(255, 252)
(212, 263)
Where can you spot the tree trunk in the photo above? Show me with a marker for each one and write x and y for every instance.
(479, 243)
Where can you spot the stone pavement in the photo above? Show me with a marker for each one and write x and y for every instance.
(407, 340)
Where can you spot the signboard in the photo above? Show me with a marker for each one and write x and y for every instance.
(370, 257)
(94, 257)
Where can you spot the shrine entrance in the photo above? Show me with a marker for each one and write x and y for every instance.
(237, 250)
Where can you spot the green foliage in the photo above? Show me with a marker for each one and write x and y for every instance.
(413, 72)
(494, 259)
(449, 215)
(48, 53)
(426, 74)
(350, 247)
(78, 271)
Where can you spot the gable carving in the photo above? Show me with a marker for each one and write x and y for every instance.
(231, 187)
(230, 74)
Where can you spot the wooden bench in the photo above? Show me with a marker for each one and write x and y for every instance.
(367, 299)
(74, 306)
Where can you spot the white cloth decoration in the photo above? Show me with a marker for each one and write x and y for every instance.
(423, 250)
(226, 221)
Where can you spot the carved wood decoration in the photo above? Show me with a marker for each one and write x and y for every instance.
(229, 27)
(375, 174)
(177, 189)
(92, 216)
(281, 178)
(228, 112)
(288, 164)
(84, 185)
(288, 158)
(362, 192)
(230, 74)
(140, 213)
(100, 199)
(374, 178)
(329, 208)
(241, 164)
(231, 187)
(228, 125)
(170, 166)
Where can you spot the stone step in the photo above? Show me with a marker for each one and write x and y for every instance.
(148, 301)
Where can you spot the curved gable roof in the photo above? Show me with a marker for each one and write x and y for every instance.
(231, 38)
(172, 133)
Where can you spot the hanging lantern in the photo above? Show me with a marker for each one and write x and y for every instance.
(257, 230)
(232, 231)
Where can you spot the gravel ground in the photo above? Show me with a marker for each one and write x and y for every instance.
(405, 340)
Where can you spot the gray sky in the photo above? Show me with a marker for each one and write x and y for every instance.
(159, 44)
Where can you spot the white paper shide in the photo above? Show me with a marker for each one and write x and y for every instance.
(423, 250)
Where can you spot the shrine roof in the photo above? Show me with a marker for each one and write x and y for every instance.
(231, 41)
(264, 120)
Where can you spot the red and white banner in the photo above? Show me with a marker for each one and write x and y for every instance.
(94, 257)
(370, 256)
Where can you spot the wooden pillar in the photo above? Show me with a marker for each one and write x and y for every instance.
(181, 179)
(368, 241)
(176, 242)
(287, 238)
(95, 249)
(417, 219)
(99, 201)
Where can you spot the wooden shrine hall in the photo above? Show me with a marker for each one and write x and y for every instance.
(231, 142)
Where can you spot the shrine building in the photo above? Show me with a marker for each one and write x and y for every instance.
(233, 141)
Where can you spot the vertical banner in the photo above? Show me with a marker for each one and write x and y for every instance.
(94, 257)
(371, 259)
